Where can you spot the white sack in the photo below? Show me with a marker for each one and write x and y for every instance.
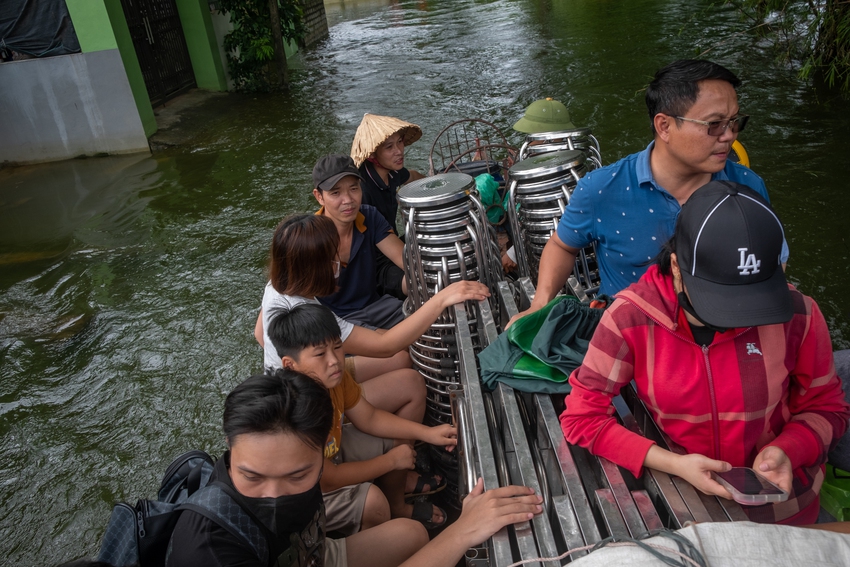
(739, 544)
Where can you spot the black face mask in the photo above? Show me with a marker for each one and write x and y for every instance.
(287, 514)
(685, 303)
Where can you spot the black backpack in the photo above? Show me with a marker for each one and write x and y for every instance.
(141, 534)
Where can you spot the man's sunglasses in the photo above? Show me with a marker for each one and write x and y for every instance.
(718, 127)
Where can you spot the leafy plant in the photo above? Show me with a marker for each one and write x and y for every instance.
(250, 47)
(813, 34)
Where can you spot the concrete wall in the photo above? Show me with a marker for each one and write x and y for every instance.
(96, 102)
(101, 25)
(63, 107)
(315, 20)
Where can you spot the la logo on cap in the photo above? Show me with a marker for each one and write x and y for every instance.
(729, 289)
(748, 265)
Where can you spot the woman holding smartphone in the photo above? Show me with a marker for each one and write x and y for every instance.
(734, 364)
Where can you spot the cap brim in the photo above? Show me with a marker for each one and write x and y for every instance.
(727, 306)
(333, 180)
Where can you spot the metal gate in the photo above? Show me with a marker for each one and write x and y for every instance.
(160, 46)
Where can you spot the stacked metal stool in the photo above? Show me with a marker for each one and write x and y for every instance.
(581, 139)
(447, 240)
(539, 189)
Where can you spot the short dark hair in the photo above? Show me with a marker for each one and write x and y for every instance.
(663, 259)
(305, 325)
(301, 256)
(675, 87)
(282, 402)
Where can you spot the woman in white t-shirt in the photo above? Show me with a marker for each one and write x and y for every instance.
(303, 264)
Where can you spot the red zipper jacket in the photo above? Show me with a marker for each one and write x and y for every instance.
(750, 388)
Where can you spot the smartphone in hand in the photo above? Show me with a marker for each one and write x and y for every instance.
(748, 487)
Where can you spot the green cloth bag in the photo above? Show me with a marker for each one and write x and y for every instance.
(539, 352)
(488, 190)
(835, 493)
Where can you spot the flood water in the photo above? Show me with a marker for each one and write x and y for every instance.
(129, 286)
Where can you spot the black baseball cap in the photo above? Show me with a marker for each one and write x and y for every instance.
(728, 245)
(332, 168)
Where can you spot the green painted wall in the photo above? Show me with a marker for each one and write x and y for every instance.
(100, 25)
(201, 42)
(91, 22)
(290, 49)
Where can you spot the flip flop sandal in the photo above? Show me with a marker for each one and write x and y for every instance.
(423, 481)
(424, 511)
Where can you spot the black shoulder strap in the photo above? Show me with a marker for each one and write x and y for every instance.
(215, 503)
(193, 480)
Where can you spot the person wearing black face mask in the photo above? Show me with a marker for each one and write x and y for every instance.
(276, 427)
(734, 363)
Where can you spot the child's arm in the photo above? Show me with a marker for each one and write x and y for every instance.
(369, 419)
(258, 329)
(364, 342)
(346, 474)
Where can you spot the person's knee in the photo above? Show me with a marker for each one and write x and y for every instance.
(391, 543)
(415, 382)
(376, 510)
(414, 385)
(411, 532)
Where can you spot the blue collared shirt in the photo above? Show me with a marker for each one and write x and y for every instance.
(357, 284)
(629, 216)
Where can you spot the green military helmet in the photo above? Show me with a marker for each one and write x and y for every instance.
(546, 115)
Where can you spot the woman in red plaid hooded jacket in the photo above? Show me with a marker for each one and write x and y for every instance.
(734, 364)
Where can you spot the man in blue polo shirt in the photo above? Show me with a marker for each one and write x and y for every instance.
(629, 208)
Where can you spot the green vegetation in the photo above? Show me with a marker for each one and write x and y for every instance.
(251, 47)
(812, 34)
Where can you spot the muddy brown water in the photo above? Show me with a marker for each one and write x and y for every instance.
(129, 285)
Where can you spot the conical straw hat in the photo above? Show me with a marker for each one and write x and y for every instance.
(374, 130)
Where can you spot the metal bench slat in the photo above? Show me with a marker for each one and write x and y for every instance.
(518, 452)
(570, 477)
(562, 509)
(611, 514)
(517, 456)
(500, 546)
(622, 497)
(647, 510)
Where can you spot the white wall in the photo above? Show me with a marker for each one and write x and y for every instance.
(67, 106)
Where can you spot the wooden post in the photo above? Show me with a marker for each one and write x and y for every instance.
(277, 40)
